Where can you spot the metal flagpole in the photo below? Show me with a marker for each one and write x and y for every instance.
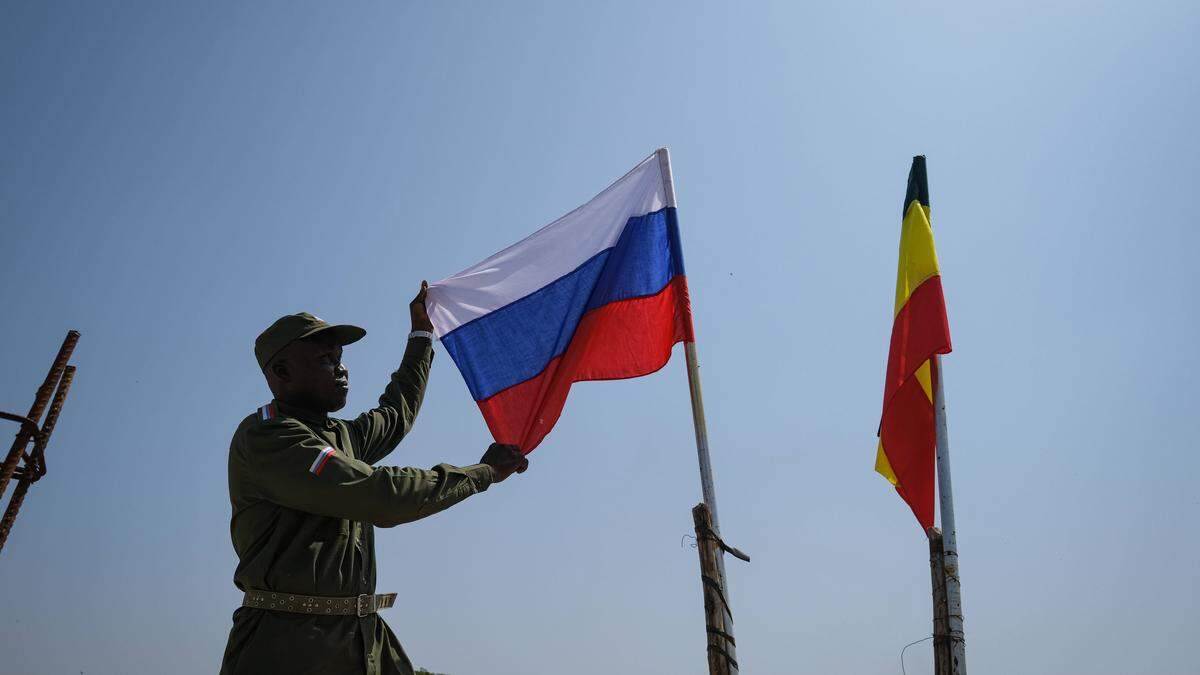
(958, 656)
(693, 369)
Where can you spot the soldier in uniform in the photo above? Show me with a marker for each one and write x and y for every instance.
(306, 501)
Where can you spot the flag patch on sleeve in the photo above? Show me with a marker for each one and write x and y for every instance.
(322, 459)
(267, 412)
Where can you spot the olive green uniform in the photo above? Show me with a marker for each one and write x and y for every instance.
(305, 502)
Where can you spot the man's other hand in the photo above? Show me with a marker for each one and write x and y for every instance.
(504, 460)
(416, 309)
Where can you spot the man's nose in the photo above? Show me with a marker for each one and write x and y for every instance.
(341, 371)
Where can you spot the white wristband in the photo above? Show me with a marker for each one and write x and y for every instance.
(421, 334)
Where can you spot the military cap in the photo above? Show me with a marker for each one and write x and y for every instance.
(294, 327)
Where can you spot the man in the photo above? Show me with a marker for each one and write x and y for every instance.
(306, 501)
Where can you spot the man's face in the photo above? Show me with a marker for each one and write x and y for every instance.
(317, 379)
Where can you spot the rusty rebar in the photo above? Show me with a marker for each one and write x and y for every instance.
(37, 457)
(27, 424)
(40, 399)
(14, 505)
(35, 463)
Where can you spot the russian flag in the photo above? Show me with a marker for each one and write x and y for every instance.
(599, 294)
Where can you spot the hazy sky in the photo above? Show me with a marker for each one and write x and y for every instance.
(174, 177)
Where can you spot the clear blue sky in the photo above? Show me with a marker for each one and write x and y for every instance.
(175, 176)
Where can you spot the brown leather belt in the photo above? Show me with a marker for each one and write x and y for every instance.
(360, 605)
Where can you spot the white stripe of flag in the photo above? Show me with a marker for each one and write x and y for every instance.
(319, 462)
(548, 254)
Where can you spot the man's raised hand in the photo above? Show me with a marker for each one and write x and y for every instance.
(416, 309)
(504, 460)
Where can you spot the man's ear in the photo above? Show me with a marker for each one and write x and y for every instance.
(279, 371)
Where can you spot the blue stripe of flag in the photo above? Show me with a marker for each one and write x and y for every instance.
(517, 341)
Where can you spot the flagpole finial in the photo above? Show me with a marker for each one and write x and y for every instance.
(664, 167)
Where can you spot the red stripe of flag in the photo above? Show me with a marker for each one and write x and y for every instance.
(623, 339)
(327, 453)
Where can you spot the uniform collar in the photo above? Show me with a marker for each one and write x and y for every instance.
(302, 414)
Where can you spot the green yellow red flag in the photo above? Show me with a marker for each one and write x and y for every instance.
(920, 331)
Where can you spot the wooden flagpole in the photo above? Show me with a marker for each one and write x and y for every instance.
(941, 635)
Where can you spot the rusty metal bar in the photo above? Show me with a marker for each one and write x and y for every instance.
(27, 425)
(39, 405)
(35, 463)
(38, 455)
(53, 391)
(14, 505)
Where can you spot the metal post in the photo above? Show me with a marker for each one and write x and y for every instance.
(706, 479)
(949, 533)
(693, 369)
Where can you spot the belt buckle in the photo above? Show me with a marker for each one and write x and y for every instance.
(364, 605)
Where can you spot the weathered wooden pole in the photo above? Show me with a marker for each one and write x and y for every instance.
(941, 610)
(716, 606)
